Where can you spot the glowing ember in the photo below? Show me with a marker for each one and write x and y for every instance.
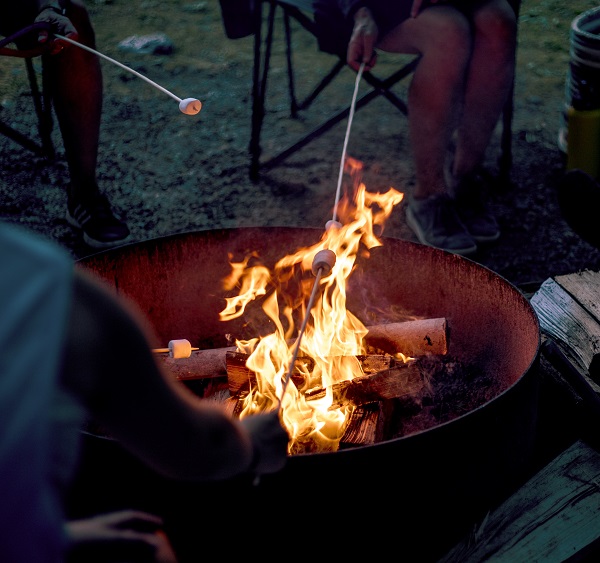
(332, 337)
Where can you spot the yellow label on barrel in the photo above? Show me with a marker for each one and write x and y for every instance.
(583, 141)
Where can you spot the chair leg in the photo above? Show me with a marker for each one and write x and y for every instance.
(288, 53)
(43, 108)
(259, 84)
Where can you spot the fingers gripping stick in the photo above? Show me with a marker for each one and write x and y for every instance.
(188, 106)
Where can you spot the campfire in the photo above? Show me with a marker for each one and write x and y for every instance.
(457, 442)
(335, 379)
(308, 355)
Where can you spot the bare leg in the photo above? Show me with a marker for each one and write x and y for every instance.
(442, 36)
(76, 79)
(489, 79)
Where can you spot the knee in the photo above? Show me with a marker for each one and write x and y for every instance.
(451, 41)
(498, 28)
(448, 51)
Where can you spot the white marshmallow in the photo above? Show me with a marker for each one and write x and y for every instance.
(190, 106)
(323, 260)
(180, 348)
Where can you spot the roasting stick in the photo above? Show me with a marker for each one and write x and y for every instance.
(350, 118)
(323, 263)
(324, 260)
(189, 106)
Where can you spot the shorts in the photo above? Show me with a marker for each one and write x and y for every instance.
(334, 30)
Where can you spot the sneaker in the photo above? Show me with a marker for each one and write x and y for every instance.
(101, 229)
(435, 222)
(471, 206)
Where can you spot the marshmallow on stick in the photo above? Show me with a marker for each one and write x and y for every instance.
(189, 106)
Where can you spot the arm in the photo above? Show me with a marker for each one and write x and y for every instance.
(110, 364)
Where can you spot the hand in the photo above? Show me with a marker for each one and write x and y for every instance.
(361, 48)
(60, 24)
(269, 442)
(127, 535)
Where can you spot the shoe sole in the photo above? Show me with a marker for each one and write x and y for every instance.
(414, 225)
(480, 239)
(100, 245)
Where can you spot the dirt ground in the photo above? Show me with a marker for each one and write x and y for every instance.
(166, 172)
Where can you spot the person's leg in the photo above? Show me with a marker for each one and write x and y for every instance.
(489, 80)
(76, 80)
(75, 77)
(442, 36)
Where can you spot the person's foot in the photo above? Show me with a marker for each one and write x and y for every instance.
(435, 222)
(101, 229)
(470, 196)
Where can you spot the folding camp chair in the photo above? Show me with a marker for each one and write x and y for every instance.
(41, 98)
(302, 12)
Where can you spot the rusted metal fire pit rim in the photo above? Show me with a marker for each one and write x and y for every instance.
(418, 249)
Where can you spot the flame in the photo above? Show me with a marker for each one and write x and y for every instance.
(332, 337)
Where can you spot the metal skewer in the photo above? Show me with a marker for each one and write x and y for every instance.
(324, 268)
(189, 106)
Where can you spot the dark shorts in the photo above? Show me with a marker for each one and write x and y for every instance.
(334, 29)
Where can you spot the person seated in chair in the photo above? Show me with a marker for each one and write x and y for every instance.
(75, 78)
(459, 88)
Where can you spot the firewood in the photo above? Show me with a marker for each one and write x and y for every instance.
(240, 378)
(200, 365)
(364, 428)
(569, 318)
(411, 338)
(402, 381)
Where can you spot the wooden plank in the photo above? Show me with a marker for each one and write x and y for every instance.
(585, 288)
(555, 515)
(567, 321)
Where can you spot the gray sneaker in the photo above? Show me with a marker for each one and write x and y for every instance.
(472, 208)
(435, 222)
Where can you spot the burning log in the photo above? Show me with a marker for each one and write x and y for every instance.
(412, 338)
(383, 379)
(365, 426)
(239, 377)
(405, 380)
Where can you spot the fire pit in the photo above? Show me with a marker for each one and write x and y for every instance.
(432, 484)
